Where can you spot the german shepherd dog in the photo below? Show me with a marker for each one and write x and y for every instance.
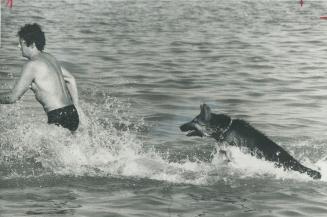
(241, 134)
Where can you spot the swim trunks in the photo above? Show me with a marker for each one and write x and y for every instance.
(66, 117)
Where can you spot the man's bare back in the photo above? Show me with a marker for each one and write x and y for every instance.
(54, 87)
(49, 85)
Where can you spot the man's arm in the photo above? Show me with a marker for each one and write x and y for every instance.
(71, 85)
(21, 86)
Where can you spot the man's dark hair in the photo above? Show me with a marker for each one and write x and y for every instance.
(32, 33)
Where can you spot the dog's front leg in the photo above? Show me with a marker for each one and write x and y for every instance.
(224, 155)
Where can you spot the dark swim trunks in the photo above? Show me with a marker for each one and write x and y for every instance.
(66, 117)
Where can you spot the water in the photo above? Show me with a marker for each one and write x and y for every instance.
(143, 68)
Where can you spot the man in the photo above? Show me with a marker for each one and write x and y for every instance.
(54, 87)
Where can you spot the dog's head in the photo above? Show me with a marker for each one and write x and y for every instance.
(206, 123)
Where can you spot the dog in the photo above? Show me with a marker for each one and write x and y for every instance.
(236, 132)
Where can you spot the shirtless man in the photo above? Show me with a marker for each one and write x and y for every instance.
(54, 87)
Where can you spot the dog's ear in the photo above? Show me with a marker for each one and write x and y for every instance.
(205, 112)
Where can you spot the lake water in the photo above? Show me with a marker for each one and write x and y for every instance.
(143, 68)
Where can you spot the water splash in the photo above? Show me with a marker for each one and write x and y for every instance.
(108, 144)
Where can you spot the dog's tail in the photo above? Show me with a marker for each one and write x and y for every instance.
(314, 174)
(303, 169)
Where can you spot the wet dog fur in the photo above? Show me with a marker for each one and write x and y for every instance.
(241, 134)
